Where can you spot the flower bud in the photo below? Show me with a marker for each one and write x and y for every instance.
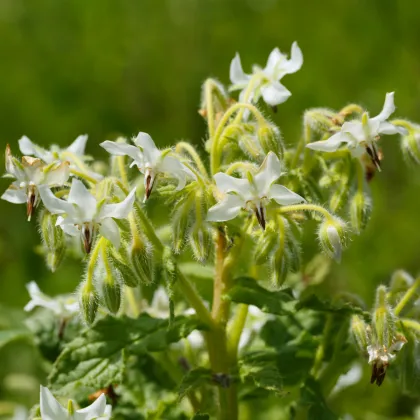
(411, 145)
(266, 243)
(280, 267)
(53, 238)
(382, 319)
(360, 331)
(270, 140)
(360, 210)
(321, 119)
(332, 236)
(181, 221)
(200, 240)
(88, 302)
(142, 260)
(121, 264)
(111, 294)
(250, 145)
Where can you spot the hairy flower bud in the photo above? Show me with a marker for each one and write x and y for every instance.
(142, 260)
(321, 119)
(270, 139)
(410, 145)
(88, 302)
(360, 210)
(332, 237)
(53, 238)
(266, 243)
(360, 332)
(181, 221)
(122, 264)
(201, 241)
(280, 267)
(111, 294)
(382, 319)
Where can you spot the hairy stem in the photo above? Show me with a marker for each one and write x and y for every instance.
(307, 207)
(409, 295)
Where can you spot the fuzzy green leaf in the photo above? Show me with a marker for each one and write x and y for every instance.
(247, 290)
(96, 358)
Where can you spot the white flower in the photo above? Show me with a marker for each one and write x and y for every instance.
(21, 413)
(84, 214)
(360, 136)
(252, 193)
(30, 175)
(51, 409)
(150, 161)
(75, 153)
(62, 306)
(350, 378)
(266, 81)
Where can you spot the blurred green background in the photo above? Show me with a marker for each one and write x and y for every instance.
(106, 67)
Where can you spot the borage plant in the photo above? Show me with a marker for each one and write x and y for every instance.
(209, 312)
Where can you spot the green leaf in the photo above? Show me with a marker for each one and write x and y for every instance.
(261, 368)
(247, 290)
(96, 358)
(313, 302)
(312, 397)
(193, 380)
(9, 336)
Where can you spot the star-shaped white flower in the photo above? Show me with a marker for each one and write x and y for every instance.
(360, 136)
(82, 215)
(150, 161)
(51, 409)
(30, 174)
(266, 81)
(252, 193)
(75, 153)
(62, 306)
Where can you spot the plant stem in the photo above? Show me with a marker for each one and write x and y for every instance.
(209, 107)
(308, 207)
(84, 176)
(408, 296)
(235, 331)
(182, 145)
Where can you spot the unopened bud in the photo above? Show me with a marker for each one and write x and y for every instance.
(382, 320)
(200, 240)
(360, 210)
(332, 235)
(339, 197)
(53, 238)
(280, 267)
(88, 302)
(321, 119)
(359, 330)
(128, 276)
(266, 243)
(142, 260)
(293, 253)
(270, 140)
(111, 294)
(411, 145)
(181, 221)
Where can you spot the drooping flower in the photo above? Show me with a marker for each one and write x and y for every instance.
(51, 409)
(31, 174)
(62, 306)
(83, 215)
(75, 154)
(360, 136)
(252, 193)
(266, 81)
(150, 161)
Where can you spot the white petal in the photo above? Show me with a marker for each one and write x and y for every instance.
(27, 147)
(269, 172)
(109, 229)
(284, 196)
(356, 130)
(295, 62)
(274, 59)
(57, 175)
(388, 128)
(78, 146)
(96, 409)
(86, 203)
(388, 108)
(329, 145)
(335, 242)
(226, 183)
(236, 73)
(14, 195)
(68, 227)
(150, 151)
(275, 93)
(123, 149)
(51, 409)
(227, 209)
(53, 204)
(118, 210)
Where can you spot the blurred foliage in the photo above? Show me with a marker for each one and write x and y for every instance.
(107, 67)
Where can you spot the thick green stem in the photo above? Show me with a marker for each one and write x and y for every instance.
(84, 176)
(235, 331)
(410, 294)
